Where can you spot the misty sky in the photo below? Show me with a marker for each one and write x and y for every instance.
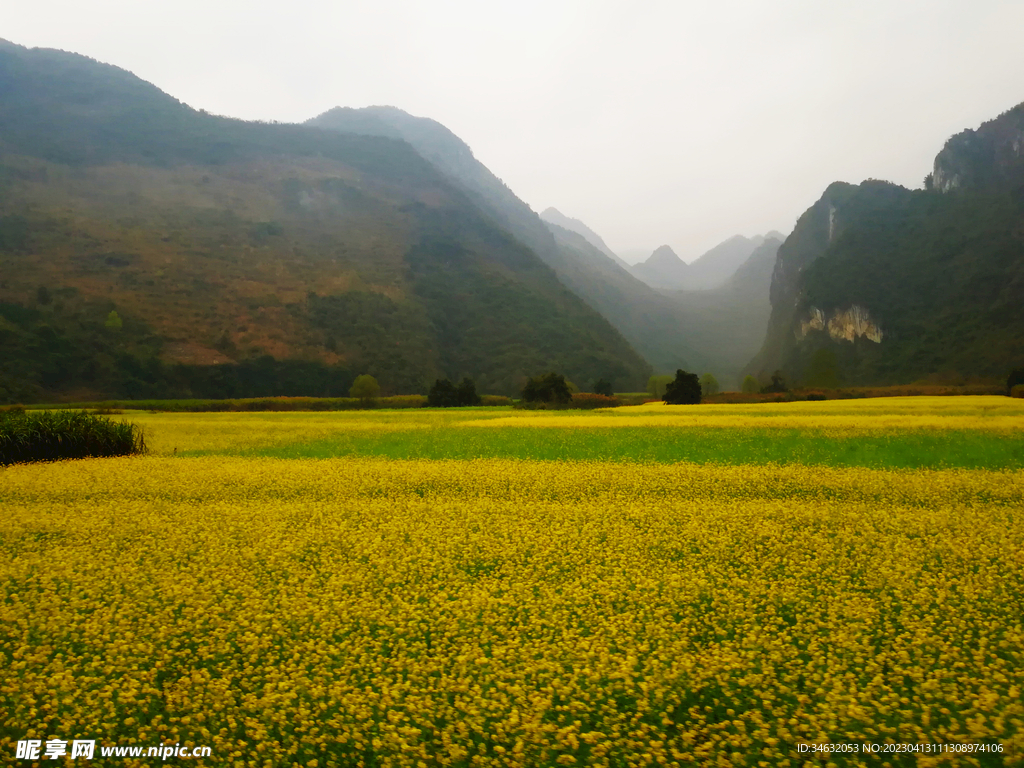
(657, 122)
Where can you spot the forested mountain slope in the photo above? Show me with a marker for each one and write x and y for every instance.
(879, 284)
(148, 249)
(647, 322)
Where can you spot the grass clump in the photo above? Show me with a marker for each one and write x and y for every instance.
(52, 435)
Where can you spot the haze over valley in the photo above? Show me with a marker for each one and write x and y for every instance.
(151, 249)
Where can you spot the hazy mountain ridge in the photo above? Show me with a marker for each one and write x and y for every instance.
(729, 321)
(214, 240)
(664, 270)
(723, 326)
(625, 301)
(886, 285)
(556, 217)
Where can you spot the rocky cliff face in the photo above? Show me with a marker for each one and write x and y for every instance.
(991, 156)
(800, 321)
(841, 325)
(900, 285)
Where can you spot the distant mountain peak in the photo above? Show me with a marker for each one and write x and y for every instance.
(664, 256)
(665, 270)
(559, 219)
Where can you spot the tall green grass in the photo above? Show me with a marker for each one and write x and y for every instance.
(51, 435)
(906, 449)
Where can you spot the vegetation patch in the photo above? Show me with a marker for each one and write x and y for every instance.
(261, 404)
(52, 435)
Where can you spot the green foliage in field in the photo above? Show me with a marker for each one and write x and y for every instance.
(1015, 379)
(709, 385)
(973, 432)
(656, 385)
(777, 385)
(51, 435)
(444, 394)
(365, 388)
(685, 389)
(549, 388)
(667, 445)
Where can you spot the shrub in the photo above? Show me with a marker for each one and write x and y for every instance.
(550, 388)
(684, 390)
(51, 435)
(579, 400)
(589, 400)
(1017, 390)
(366, 388)
(603, 387)
(1015, 378)
(777, 386)
(444, 394)
(466, 392)
(709, 385)
(750, 386)
(656, 386)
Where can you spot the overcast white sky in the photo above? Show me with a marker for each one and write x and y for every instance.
(656, 122)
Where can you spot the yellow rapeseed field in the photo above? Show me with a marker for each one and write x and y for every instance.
(963, 413)
(367, 612)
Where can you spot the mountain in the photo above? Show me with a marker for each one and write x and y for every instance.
(662, 269)
(727, 323)
(665, 270)
(632, 307)
(721, 262)
(556, 217)
(659, 323)
(992, 157)
(879, 284)
(149, 249)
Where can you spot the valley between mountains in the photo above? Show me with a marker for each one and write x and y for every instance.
(148, 249)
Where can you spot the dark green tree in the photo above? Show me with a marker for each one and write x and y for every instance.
(1016, 377)
(683, 390)
(604, 387)
(443, 395)
(750, 385)
(549, 388)
(777, 385)
(466, 393)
